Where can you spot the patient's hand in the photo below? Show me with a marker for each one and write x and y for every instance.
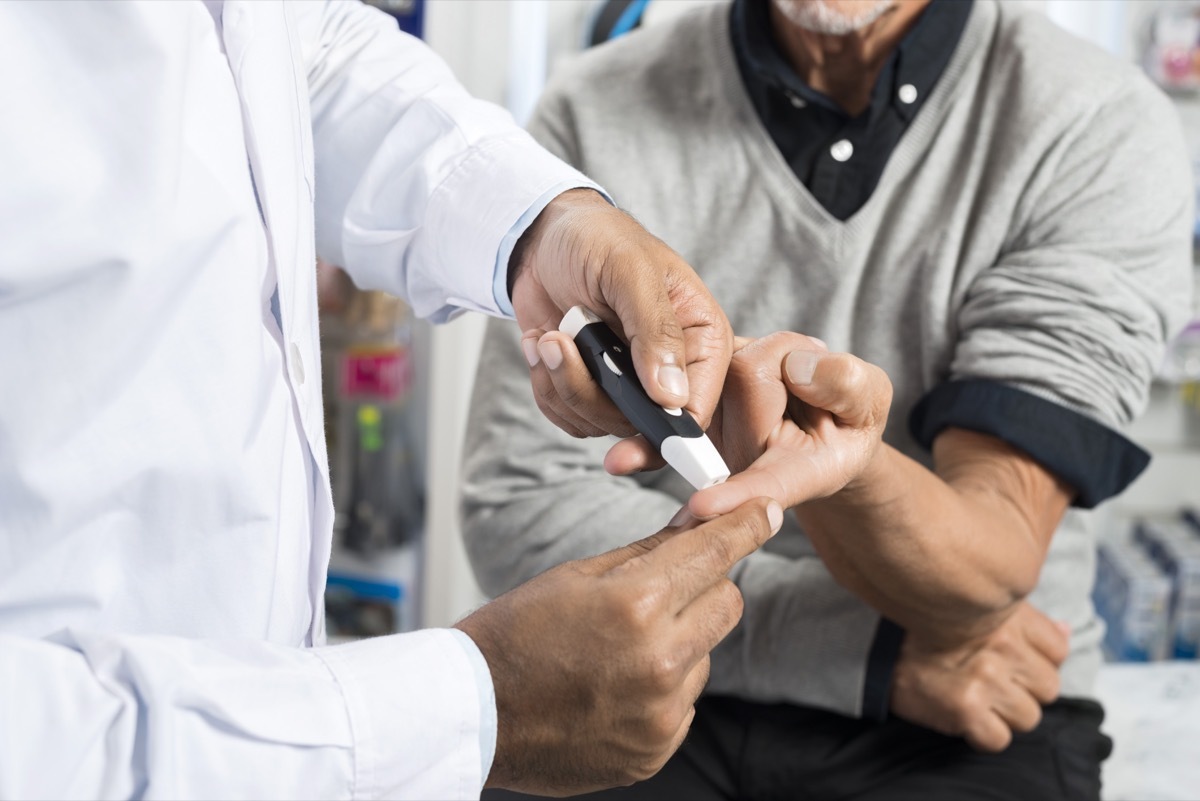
(987, 689)
(795, 422)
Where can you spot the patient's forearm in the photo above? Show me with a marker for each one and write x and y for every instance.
(946, 554)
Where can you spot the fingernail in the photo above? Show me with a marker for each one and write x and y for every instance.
(775, 516)
(673, 379)
(681, 517)
(531, 353)
(820, 343)
(551, 354)
(1065, 628)
(800, 366)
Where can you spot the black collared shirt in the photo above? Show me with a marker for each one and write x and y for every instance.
(839, 157)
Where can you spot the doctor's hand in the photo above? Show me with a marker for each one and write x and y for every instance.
(795, 423)
(597, 663)
(986, 689)
(582, 251)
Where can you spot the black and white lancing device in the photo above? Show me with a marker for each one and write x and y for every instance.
(674, 434)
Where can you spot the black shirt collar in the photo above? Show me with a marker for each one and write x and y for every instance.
(919, 59)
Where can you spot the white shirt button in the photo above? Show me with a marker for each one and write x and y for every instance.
(842, 150)
(796, 100)
(297, 363)
(908, 94)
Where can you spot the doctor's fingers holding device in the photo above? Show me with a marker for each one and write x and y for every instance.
(581, 250)
(597, 663)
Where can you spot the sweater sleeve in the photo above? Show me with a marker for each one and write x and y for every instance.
(1060, 338)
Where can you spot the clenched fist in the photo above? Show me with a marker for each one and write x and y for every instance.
(985, 689)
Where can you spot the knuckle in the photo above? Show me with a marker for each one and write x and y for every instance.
(663, 673)
(989, 669)
(1003, 640)
(721, 550)
(1050, 688)
(851, 371)
(971, 701)
(544, 393)
(732, 600)
(639, 612)
(753, 525)
(1029, 722)
(570, 395)
(661, 727)
(667, 330)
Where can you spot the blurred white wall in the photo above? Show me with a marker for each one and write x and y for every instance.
(473, 38)
(500, 50)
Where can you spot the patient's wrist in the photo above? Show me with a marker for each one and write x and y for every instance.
(876, 485)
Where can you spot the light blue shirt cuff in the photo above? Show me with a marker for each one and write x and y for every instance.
(504, 254)
(487, 702)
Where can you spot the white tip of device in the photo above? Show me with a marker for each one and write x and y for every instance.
(574, 321)
(696, 459)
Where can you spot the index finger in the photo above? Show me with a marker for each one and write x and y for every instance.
(632, 455)
(693, 561)
(786, 472)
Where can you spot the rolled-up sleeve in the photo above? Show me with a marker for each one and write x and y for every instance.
(1059, 340)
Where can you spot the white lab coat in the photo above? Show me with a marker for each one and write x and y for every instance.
(165, 512)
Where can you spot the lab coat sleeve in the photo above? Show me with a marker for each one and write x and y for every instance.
(94, 715)
(417, 182)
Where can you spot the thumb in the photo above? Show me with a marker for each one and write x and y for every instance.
(656, 340)
(638, 296)
(847, 387)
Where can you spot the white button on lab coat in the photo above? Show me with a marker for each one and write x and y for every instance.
(165, 512)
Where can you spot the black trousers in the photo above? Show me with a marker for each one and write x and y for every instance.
(763, 752)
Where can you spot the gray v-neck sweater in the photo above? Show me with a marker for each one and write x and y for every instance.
(1031, 228)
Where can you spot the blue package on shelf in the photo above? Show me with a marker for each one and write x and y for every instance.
(1132, 595)
(1175, 549)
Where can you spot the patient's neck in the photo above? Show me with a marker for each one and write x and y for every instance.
(845, 67)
